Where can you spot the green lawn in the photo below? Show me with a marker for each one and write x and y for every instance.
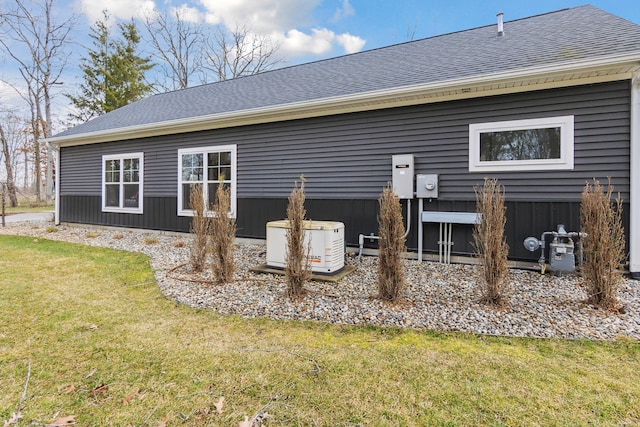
(26, 204)
(105, 346)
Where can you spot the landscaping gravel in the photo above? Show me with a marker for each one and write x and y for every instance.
(439, 297)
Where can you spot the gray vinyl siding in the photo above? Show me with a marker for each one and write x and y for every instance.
(349, 156)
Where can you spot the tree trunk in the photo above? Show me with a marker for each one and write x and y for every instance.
(37, 165)
(11, 187)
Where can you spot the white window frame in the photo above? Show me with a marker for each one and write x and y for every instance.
(565, 123)
(204, 151)
(121, 205)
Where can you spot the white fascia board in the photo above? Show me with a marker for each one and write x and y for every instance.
(399, 96)
(634, 202)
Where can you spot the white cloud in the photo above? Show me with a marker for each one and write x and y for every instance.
(284, 21)
(344, 11)
(187, 13)
(287, 22)
(350, 43)
(118, 9)
(321, 41)
(296, 42)
(261, 16)
(9, 97)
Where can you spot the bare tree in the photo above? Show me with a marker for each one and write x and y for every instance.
(177, 44)
(38, 50)
(7, 155)
(239, 52)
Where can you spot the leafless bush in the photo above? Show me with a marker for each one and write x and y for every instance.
(391, 280)
(200, 225)
(489, 241)
(223, 233)
(603, 245)
(297, 269)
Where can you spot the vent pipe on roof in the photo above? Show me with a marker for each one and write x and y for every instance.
(500, 25)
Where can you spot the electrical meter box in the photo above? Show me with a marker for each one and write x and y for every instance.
(427, 186)
(402, 175)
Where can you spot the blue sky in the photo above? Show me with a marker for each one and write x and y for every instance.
(311, 29)
(308, 30)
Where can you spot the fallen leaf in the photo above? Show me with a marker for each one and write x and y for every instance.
(64, 421)
(164, 421)
(129, 397)
(202, 413)
(219, 405)
(91, 373)
(99, 390)
(245, 423)
(68, 389)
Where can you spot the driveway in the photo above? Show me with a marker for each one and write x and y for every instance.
(28, 217)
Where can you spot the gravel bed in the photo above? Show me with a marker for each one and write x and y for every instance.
(439, 297)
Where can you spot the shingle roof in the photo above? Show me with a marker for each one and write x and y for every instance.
(566, 35)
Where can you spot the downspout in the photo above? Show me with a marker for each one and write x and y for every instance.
(56, 160)
(634, 203)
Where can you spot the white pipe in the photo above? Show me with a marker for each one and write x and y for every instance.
(361, 237)
(406, 233)
(420, 207)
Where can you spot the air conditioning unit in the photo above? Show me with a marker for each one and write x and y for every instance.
(326, 239)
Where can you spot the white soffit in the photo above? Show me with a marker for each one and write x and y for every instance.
(526, 80)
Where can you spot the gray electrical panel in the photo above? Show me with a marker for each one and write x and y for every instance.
(402, 175)
(427, 186)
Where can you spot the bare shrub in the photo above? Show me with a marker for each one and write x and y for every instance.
(490, 242)
(150, 240)
(391, 279)
(297, 270)
(200, 225)
(223, 234)
(603, 245)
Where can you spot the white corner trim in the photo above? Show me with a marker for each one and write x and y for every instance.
(634, 193)
(56, 201)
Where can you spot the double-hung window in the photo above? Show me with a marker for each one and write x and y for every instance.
(521, 145)
(208, 167)
(122, 182)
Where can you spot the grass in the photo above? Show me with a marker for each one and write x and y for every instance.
(86, 317)
(27, 205)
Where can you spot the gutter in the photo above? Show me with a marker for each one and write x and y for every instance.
(468, 87)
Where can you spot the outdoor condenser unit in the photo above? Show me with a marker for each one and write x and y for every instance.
(327, 244)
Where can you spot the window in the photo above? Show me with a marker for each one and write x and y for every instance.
(209, 167)
(122, 183)
(519, 145)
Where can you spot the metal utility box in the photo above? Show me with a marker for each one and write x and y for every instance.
(427, 186)
(402, 175)
(561, 256)
(326, 239)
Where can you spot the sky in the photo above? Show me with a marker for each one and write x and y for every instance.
(307, 30)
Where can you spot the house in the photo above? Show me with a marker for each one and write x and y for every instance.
(570, 77)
